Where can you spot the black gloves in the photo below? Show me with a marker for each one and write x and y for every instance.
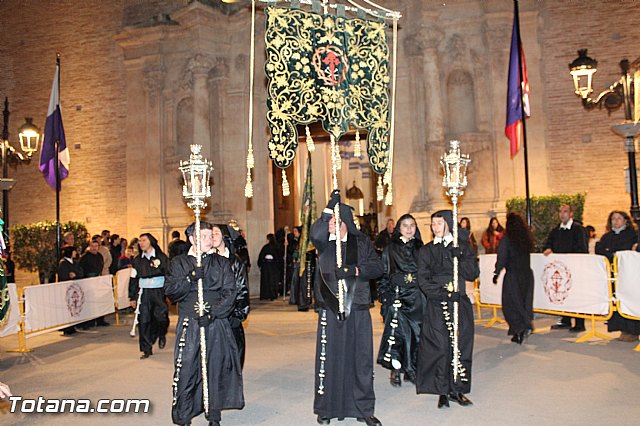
(204, 321)
(456, 252)
(196, 274)
(334, 199)
(346, 272)
(495, 278)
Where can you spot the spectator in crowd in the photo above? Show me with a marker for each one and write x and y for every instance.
(126, 258)
(223, 361)
(86, 243)
(465, 223)
(591, 238)
(567, 237)
(104, 252)
(492, 235)
(176, 245)
(384, 237)
(91, 261)
(69, 269)
(150, 267)
(435, 275)
(270, 264)
(68, 239)
(514, 255)
(104, 237)
(344, 350)
(115, 249)
(620, 235)
(402, 302)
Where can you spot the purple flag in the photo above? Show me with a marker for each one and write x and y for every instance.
(54, 132)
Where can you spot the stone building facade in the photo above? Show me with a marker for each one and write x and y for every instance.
(143, 79)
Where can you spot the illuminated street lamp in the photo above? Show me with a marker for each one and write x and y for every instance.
(619, 94)
(29, 143)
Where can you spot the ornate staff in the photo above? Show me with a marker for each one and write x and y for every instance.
(196, 173)
(132, 333)
(454, 166)
(335, 165)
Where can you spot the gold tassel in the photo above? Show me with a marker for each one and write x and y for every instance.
(250, 159)
(389, 198)
(285, 184)
(380, 190)
(357, 149)
(387, 176)
(311, 146)
(248, 188)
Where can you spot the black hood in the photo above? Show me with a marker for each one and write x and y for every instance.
(447, 215)
(346, 216)
(396, 231)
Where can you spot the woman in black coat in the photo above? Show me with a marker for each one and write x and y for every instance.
(517, 287)
(402, 301)
(270, 263)
(620, 236)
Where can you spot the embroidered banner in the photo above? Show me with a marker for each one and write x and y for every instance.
(576, 283)
(68, 302)
(329, 69)
(627, 288)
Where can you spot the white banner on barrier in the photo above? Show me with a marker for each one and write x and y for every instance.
(50, 305)
(12, 326)
(122, 283)
(628, 290)
(562, 282)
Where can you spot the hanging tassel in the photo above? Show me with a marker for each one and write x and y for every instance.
(285, 184)
(248, 187)
(387, 176)
(311, 146)
(389, 198)
(357, 149)
(380, 190)
(250, 160)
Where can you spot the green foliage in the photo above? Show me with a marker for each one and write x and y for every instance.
(33, 246)
(544, 212)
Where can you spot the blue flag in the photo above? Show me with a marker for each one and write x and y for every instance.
(54, 132)
(515, 96)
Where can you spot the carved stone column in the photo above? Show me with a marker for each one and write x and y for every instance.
(218, 81)
(199, 67)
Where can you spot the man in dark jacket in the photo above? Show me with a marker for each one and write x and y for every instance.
(224, 372)
(344, 348)
(568, 237)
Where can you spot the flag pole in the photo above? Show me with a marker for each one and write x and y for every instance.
(57, 171)
(522, 111)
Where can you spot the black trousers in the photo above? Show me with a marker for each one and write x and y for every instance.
(153, 320)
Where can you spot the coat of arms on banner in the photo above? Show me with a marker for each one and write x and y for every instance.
(557, 281)
(75, 299)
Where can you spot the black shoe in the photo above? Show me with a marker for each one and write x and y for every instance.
(102, 324)
(323, 420)
(410, 377)
(517, 338)
(460, 399)
(370, 421)
(162, 342)
(146, 355)
(394, 379)
(69, 331)
(443, 401)
(577, 329)
(560, 326)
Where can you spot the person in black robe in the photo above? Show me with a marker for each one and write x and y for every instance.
(270, 263)
(344, 346)
(293, 263)
(517, 287)
(304, 280)
(435, 373)
(620, 235)
(223, 244)
(224, 372)
(402, 301)
(148, 273)
(568, 237)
